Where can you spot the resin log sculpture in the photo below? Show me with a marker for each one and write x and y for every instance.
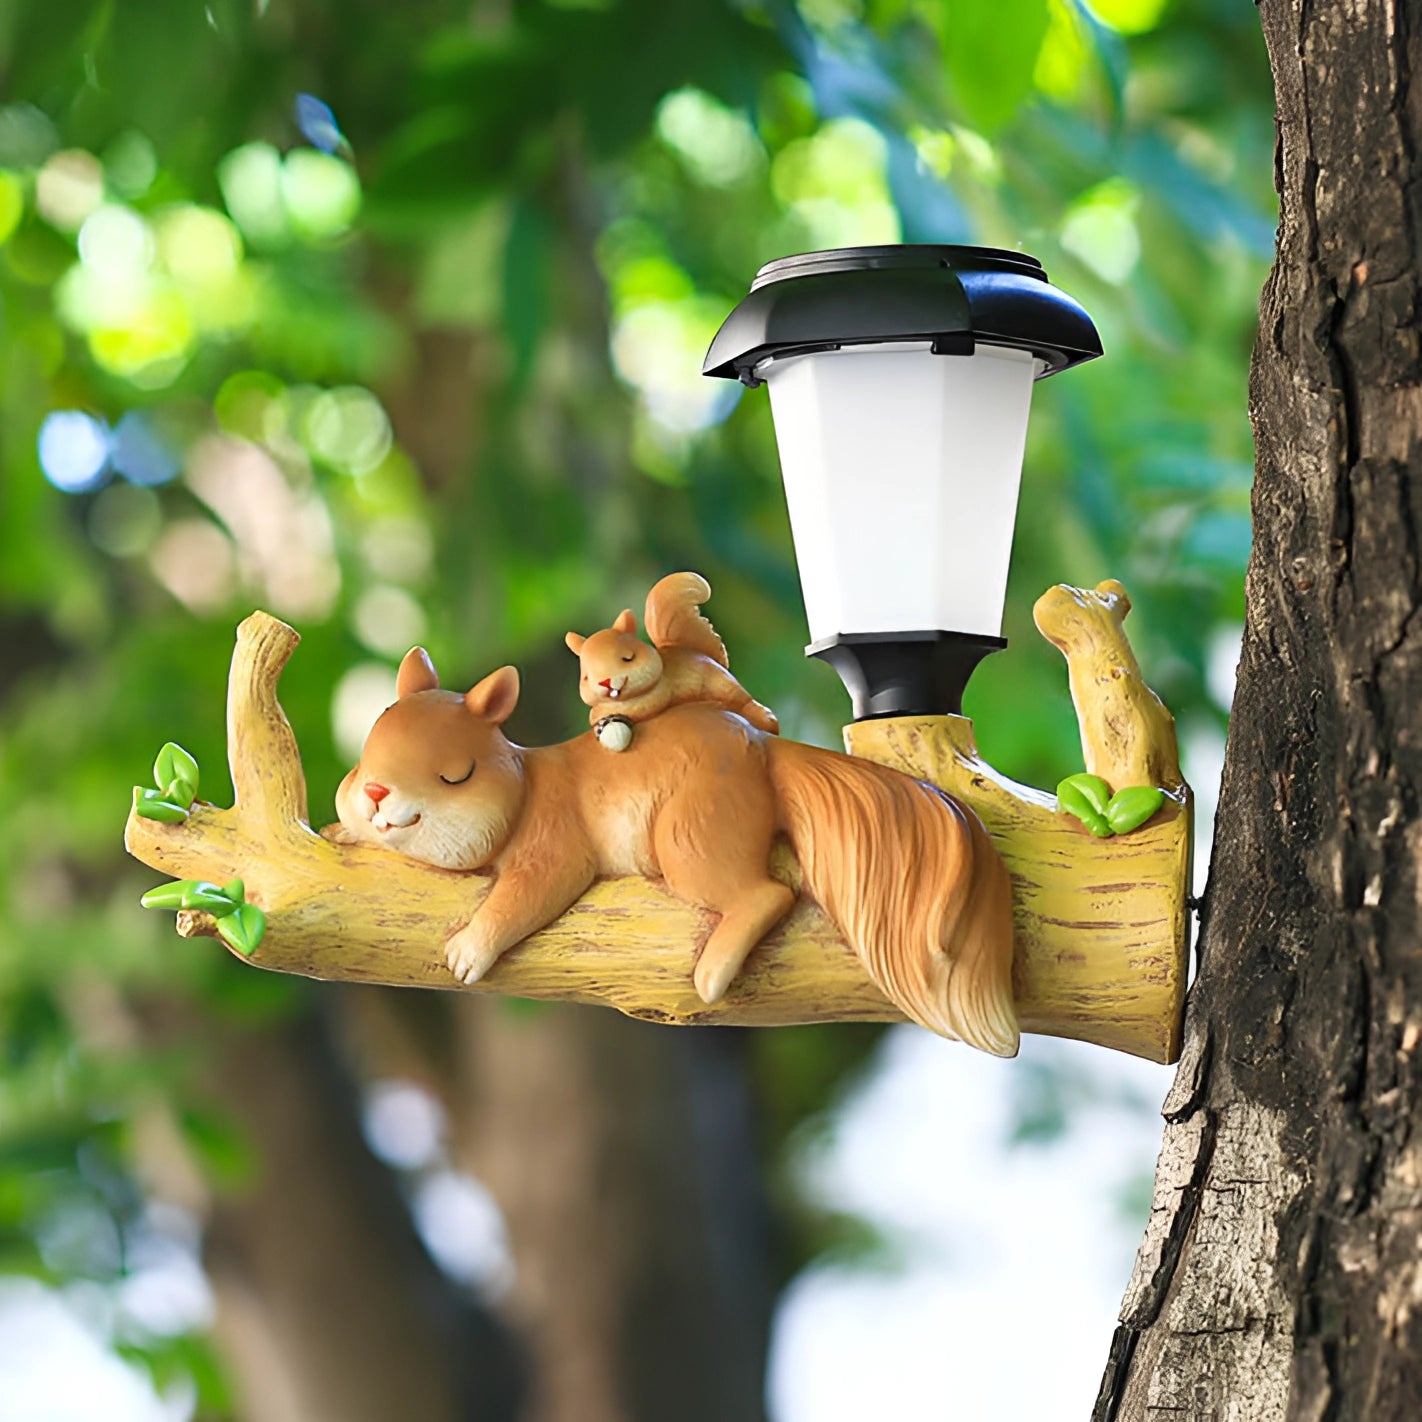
(1100, 939)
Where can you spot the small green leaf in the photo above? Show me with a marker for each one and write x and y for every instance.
(1091, 788)
(152, 805)
(244, 928)
(236, 890)
(168, 896)
(1131, 807)
(174, 763)
(207, 898)
(1086, 797)
(180, 792)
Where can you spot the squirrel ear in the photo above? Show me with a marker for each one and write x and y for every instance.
(626, 621)
(575, 642)
(495, 697)
(416, 673)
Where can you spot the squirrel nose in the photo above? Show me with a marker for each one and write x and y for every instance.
(607, 682)
(376, 792)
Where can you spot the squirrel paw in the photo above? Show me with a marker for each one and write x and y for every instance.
(614, 733)
(713, 977)
(469, 958)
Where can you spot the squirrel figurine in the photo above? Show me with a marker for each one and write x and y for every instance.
(907, 873)
(625, 681)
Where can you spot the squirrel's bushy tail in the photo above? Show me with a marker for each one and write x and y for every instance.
(913, 882)
(674, 618)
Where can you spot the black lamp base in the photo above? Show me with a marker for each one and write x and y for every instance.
(905, 673)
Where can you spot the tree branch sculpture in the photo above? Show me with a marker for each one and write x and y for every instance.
(1100, 924)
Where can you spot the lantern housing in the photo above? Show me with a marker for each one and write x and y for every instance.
(900, 384)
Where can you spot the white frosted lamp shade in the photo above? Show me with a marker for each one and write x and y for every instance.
(900, 381)
(901, 472)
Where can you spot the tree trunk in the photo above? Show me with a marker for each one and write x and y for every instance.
(329, 1309)
(622, 1156)
(1281, 1272)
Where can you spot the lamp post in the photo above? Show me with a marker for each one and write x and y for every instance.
(900, 383)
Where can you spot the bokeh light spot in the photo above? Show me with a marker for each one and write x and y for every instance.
(348, 429)
(74, 451)
(318, 124)
(463, 1229)
(321, 193)
(139, 453)
(115, 241)
(717, 144)
(399, 548)
(835, 184)
(27, 136)
(359, 698)
(130, 164)
(1101, 230)
(252, 404)
(199, 246)
(658, 347)
(12, 204)
(69, 187)
(124, 520)
(250, 179)
(404, 1124)
(150, 348)
(195, 561)
(1063, 60)
(1129, 17)
(388, 620)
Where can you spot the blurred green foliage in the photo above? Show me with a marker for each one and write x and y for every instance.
(416, 357)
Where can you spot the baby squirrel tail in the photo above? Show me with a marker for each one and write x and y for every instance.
(674, 618)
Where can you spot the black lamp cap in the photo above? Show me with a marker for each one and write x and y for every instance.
(905, 673)
(955, 297)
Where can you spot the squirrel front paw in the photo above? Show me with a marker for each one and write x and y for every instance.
(468, 956)
(614, 733)
(712, 976)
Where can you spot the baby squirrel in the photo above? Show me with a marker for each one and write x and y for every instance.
(624, 680)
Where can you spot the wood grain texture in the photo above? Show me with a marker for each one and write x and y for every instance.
(1101, 935)
(1101, 940)
(1127, 735)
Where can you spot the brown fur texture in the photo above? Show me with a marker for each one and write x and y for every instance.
(908, 874)
(674, 618)
(622, 676)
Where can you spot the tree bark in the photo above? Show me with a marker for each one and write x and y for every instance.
(1281, 1273)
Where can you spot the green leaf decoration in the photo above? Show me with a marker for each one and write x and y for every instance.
(180, 792)
(1086, 797)
(153, 805)
(236, 890)
(1131, 807)
(1089, 798)
(208, 898)
(1091, 789)
(244, 928)
(174, 763)
(196, 894)
(167, 896)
